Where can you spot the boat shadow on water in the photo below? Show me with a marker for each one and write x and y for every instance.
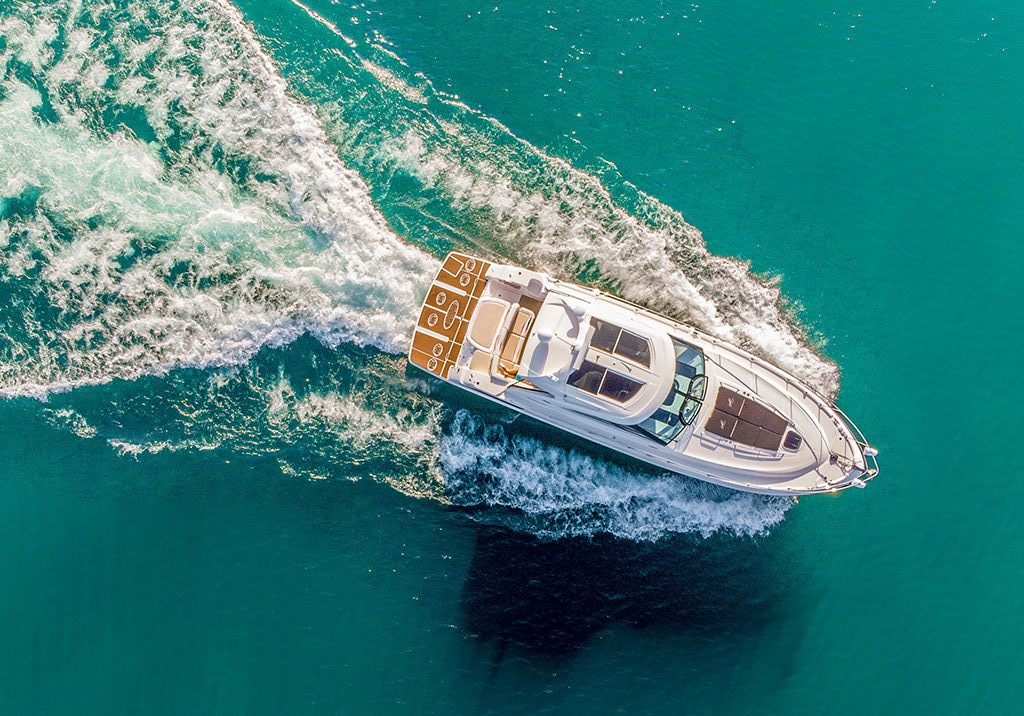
(547, 598)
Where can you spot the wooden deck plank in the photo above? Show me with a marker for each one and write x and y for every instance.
(446, 312)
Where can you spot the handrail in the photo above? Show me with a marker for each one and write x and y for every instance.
(867, 450)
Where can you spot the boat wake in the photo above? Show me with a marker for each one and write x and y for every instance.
(555, 492)
(171, 203)
(234, 228)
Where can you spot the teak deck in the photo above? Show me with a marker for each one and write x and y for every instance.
(446, 311)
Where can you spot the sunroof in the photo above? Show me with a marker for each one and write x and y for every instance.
(634, 347)
(619, 387)
(613, 339)
(605, 335)
(598, 380)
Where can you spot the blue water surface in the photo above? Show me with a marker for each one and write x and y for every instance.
(222, 490)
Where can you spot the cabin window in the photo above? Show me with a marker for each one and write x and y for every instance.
(619, 387)
(587, 377)
(606, 335)
(612, 339)
(598, 380)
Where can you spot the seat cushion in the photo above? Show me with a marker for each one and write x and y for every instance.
(522, 322)
(487, 321)
(511, 353)
(480, 362)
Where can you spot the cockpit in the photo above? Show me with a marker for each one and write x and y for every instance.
(684, 399)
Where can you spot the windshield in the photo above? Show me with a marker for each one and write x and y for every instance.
(684, 400)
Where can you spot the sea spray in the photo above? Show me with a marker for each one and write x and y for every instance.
(556, 492)
(174, 210)
(163, 258)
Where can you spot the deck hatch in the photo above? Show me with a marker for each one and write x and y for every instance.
(793, 441)
(746, 421)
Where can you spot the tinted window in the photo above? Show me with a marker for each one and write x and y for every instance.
(587, 377)
(634, 348)
(619, 387)
(605, 335)
(600, 381)
(611, 339)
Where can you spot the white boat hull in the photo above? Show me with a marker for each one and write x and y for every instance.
(496, 331)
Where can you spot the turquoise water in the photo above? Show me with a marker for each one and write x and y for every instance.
(223, 492)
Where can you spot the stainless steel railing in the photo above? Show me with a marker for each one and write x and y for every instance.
(870, 452)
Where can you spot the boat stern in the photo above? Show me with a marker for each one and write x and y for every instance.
(446, 313)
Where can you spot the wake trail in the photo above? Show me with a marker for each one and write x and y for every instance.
(171, 204)
(157, 260)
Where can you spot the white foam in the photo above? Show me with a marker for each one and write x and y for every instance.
(325, 22)
(240, 228)
(557, 492)
(125, 447)
(362, 429)
(72, 421)
(558, 218)
(340, 434)
(301, 249)
(349, 418)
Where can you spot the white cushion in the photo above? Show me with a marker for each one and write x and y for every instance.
(487, 321)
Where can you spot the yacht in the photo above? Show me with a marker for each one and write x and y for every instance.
(622, 376)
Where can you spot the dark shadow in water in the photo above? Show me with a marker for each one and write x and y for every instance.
(549, 597)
